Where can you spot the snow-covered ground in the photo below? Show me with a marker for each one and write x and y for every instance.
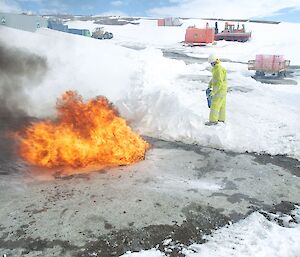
(254, 236)
(165, 98)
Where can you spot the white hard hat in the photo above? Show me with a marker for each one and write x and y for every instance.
(212, 58)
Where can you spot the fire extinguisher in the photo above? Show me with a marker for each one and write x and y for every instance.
(208, 97)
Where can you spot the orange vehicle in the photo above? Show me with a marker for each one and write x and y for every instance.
(195, 36)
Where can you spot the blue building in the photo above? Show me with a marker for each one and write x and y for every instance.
(57, 25)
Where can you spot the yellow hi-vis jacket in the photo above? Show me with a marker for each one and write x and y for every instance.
(218, 83)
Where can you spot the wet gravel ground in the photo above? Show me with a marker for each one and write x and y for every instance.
(179, 192)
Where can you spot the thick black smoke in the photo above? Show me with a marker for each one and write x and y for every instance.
(19, 70)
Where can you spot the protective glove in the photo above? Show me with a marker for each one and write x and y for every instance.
(208, 92)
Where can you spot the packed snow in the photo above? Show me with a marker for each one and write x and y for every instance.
(253, 236)
(165, 98)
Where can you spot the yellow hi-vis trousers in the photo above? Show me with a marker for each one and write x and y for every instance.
(218, 109)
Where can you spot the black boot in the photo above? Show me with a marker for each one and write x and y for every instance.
(211, 123)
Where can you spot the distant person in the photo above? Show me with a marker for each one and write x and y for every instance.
(216, 28)
(218, 91)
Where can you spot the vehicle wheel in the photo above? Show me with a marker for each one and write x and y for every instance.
(105, 36)
(259, 73)
(282, 74)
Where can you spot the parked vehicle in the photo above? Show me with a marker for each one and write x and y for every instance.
(196, 36)
(82, 32)
(231, 33)
(274, 65)
(99, 33)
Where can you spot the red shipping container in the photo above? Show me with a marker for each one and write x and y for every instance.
(161, 22)
(259, 61)
(197, 36)
(269, 62)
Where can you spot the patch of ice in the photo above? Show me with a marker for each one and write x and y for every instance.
(149, 253)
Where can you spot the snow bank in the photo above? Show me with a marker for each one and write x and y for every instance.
(163, 103)
(253, 236)
(92, 67)
(165, 98)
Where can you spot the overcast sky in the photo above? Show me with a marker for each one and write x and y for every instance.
(282, 10)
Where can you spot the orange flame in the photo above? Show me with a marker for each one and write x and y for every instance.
(84, 134)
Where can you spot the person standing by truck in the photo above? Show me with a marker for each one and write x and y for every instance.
(218, 91)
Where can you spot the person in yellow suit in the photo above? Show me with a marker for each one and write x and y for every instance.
(218, 91)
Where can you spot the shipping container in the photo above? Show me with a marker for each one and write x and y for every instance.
(272, 64)
(57, 25)
(170, 21)
(82, 32)
(161, 22)
(269, 62)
